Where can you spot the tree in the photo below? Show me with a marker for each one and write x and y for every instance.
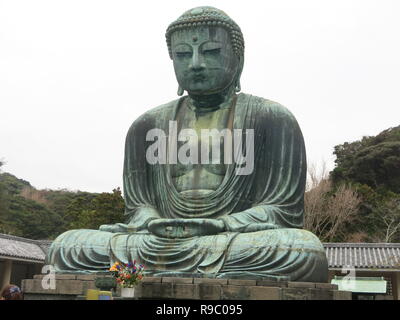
(329, 210)
(391, 219)
(374, 161)
(109, 208)
(372, 166)
(382, 215)
(77, 209)
(27, 218)
(44, 214)
(24, 217)
(3, 205)
(103, 208)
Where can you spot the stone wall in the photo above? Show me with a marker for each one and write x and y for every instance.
(71, 286)
(68, 287)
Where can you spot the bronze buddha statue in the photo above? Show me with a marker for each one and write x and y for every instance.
(199, 214)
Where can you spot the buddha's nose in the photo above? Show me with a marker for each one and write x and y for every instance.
(196, 64)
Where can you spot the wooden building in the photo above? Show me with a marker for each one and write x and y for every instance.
(366, 260)
(20, 258)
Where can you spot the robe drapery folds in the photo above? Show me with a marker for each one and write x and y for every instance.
(272, 194)
(262, 211)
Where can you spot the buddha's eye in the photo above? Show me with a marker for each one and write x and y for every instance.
(214, 51)
(183, 54)
(211, 48)
(183, 51)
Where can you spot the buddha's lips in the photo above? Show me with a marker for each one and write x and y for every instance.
(198, 77)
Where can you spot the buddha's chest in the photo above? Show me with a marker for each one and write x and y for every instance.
(201, 145)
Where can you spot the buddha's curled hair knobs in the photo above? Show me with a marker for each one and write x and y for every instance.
(207, 16)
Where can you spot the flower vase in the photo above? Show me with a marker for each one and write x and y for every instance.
(127, 292)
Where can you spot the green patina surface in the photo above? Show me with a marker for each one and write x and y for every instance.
(205, 219)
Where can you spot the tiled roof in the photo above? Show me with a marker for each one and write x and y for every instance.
(363, 255)
(22, 248)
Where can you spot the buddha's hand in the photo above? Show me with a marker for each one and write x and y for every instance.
(185, 228)
(115, 228)
(138, 221)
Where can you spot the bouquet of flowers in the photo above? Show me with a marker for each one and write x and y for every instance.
(127, 275)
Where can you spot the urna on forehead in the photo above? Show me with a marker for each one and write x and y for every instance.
(207, 17)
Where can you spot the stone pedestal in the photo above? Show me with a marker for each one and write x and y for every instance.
(69, 287)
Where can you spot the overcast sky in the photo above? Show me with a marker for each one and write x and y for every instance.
(75, 74)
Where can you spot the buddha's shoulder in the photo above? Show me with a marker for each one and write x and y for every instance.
(266, 107)
(155, 113)
(166, 107)
(159, 110)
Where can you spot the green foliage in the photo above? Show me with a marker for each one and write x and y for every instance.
(77, 209)
(92, 211)
(59, 200)
(12, 185)
(379, 214)
(374, 161)
(372, 165)
(30, 219)
(44, 214)
(3, 205)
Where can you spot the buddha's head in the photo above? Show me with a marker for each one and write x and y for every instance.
(207, 49)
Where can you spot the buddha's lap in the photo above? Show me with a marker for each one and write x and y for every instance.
(286, 239)
(294, 253)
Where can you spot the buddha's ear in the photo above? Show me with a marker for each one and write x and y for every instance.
(239, 74)
(180, 91)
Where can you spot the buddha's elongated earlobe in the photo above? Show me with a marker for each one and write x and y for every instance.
(180, 91)
(237, 87)
(239, 74)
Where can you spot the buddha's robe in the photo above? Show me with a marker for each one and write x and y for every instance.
(262, 211)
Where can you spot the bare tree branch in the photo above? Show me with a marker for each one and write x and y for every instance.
(327, 210)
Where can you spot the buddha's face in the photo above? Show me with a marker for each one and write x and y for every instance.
(204, 60)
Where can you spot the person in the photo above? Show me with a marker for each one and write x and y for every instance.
(11, 292)
(189, 217)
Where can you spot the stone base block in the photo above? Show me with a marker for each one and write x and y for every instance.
(71, 286)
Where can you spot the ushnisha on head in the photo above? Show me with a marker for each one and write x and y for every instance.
(207, 49)
(207, 16)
